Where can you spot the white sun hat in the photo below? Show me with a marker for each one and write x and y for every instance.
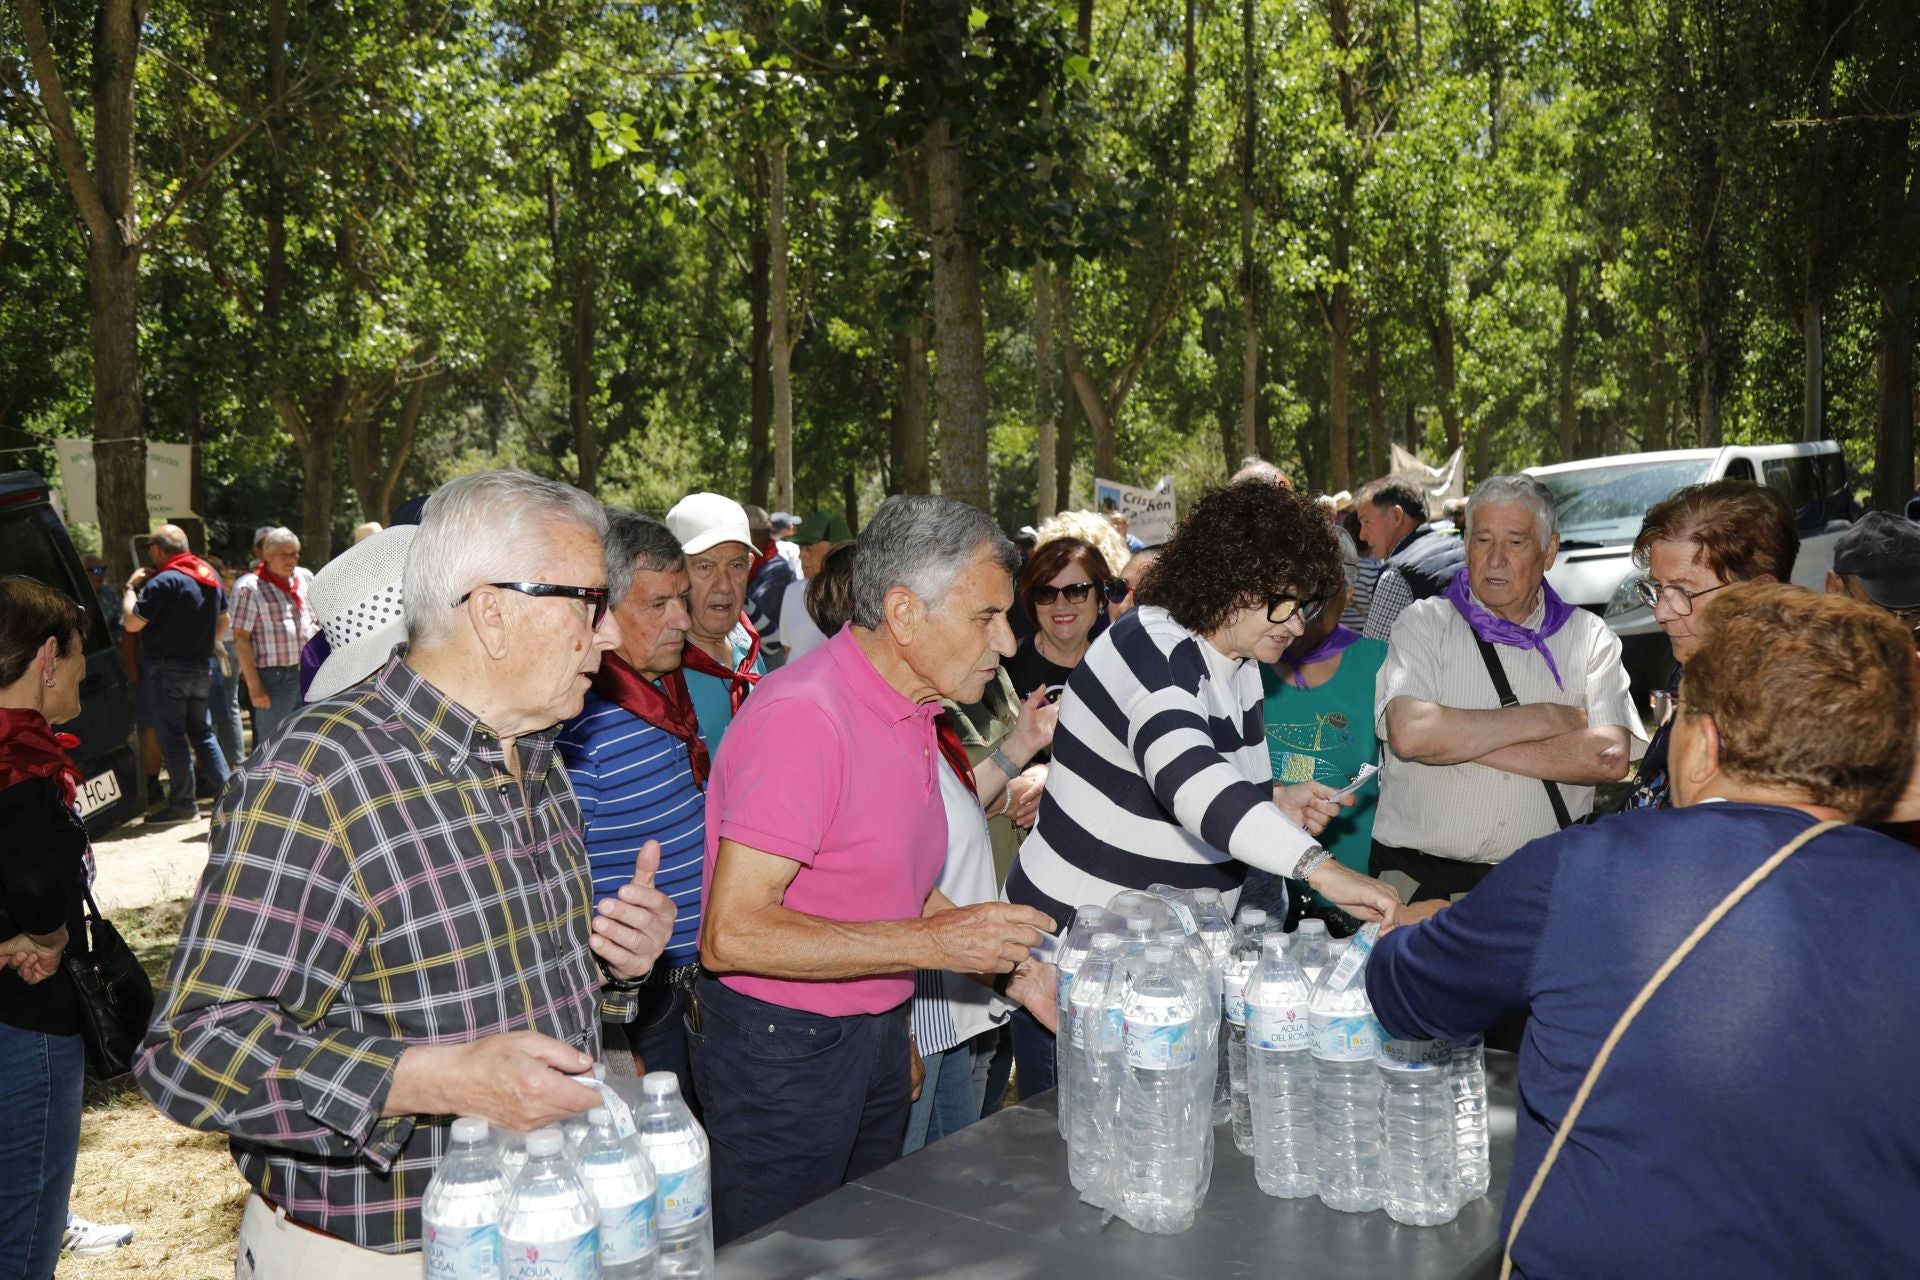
(356, 596)
(703, 520)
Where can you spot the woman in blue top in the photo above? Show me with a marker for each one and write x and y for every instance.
(1755, 1120)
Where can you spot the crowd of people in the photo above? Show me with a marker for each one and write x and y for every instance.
(800, 817)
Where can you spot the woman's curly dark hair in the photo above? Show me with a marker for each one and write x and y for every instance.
(1243, 545)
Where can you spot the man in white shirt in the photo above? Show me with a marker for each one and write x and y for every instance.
(1470, 776)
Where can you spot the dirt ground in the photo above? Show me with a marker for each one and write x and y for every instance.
(178, 1188)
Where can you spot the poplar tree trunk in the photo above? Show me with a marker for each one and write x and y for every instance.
(959, 322)
(779, 344)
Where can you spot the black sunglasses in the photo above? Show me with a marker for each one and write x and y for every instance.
(595, 596)
(1117, 590)
(1075, 592)
(1280, 608)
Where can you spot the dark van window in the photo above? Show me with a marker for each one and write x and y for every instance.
(27, 547)
(1796, 480)
(1739, 469)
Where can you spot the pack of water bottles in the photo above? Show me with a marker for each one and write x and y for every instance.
(1172, 1020)
(614, 1195)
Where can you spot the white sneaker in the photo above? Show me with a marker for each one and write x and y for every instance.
(94, 1237)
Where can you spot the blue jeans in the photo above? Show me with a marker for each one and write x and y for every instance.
(283, 689)
(951, 1095)
(225, 713)
(40, 1078)
(180, 692)
(1032, 1055)
(796, 1103)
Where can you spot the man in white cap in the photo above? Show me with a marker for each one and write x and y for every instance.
(722, 659)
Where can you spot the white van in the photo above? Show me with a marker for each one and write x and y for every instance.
(1603, 501)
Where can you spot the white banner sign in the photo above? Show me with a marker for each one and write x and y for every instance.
(1149, 512)
(169, 481)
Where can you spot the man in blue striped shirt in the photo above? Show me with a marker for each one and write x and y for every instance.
(639, 768)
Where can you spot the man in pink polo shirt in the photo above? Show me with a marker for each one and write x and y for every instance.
(826, 833)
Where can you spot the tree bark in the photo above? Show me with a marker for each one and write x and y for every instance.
(1660, 392)
(1440, 333)
(1339, 387)
(1046, 382)
(959, 321)
(1813, 409)
(1569, 349)
(911, 470)
(1893, 468)
(375, 476)
(1249, 327)
(580, 375)
(779, 344)
(103, 196)
(1376, 406)
(760, 344)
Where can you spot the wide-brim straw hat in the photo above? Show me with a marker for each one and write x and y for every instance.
(357, 598)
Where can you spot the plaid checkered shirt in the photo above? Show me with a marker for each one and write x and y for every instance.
(375, 880)
(278, 627)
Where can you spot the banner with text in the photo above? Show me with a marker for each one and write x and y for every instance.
(169, 481)
(1149, 512)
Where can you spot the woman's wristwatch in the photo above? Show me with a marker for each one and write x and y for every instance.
(1310, 862)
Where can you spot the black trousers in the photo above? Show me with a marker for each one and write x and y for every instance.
(1432, 877)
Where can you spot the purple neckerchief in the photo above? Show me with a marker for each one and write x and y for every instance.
(1336, 643)
(1497, 630)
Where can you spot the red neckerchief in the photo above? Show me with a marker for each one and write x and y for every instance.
(955, 753)
(29, 748)
(668, 707)
(740, 681)
(763, 558)
(194, 567)
(288, 588)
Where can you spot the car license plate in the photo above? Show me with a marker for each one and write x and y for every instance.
(98, 792)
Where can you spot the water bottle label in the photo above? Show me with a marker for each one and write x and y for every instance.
(617, 1109)
(1346, 1039)
(1415, 1055)
(1353, 957)
(575, 1259)
(1185, 915)
(626, 1231)
(1159, 1046)
(459, 1253)
(1234, 991)
(1279, 1026)
(1066, 985)
(683, 1198)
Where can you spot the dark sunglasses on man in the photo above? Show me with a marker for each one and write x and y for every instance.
(1075, 592)
(1117, 590)
(594, 596)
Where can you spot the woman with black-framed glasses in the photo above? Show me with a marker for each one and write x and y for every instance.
(1701, 539)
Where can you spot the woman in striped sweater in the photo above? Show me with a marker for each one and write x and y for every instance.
(1160, 768)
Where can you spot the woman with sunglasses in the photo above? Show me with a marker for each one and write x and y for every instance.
(1160, 770)
(1062, 591)
(1702, 538)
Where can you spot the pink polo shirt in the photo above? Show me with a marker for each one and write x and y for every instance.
(829, 765)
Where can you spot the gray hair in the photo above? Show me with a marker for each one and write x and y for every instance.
(492, 526)
(1523, 491)
(170, 539)
(637, 544)
(922, 543)
(278, 537)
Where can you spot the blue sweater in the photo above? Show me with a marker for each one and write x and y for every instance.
(635, 784)
(1758, 1118)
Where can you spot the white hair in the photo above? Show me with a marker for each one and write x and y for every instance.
(492, 526)
(278, 537)
(1522, 491)
(923, 543)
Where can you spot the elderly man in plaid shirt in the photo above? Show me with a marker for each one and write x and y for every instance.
(396, 924)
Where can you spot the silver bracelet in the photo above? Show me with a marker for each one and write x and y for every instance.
(1000, 758)
(1310, 862)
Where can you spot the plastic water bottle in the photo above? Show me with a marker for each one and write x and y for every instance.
(1346, 1086)
(1310, 947)
(1280, 1074)
(1468, 1080)
(1087, 922)
(1241, 962)
(510, 1149)
(551, 1230)
(1158, 1173)
(574, 1129)
(1217, 935)
(1096, 1044)
(620, 1179)
(460, 1213)
(676, 1146)
(1417, 1173)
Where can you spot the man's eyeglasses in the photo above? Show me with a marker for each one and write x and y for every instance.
(1281, 608)
(1117, 590)
(594, 596)
(1679, 599)
(98, 570)
(1075, 592)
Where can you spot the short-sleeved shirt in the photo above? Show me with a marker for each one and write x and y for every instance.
(276, 623)
(713, 697)
(1472, 812)
(634, 782)
(832, 767)
(181, 613)
(1324, 734)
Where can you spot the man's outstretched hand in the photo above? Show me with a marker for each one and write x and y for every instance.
(632, 928)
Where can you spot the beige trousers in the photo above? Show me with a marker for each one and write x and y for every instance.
(271, 1248)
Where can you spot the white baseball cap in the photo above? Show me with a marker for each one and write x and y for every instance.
(357, 597)
(703, 520)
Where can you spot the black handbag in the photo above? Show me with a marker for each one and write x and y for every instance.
(116, 998)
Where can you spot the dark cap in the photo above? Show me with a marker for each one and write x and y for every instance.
(1882, 550)
(823, 526)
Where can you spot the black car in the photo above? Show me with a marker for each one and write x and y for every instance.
(34, 542)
